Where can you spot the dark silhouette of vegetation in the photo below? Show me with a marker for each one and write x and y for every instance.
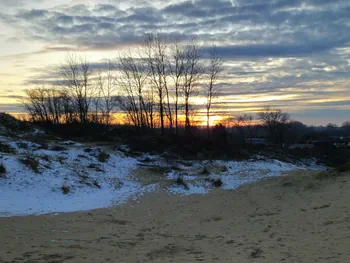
(275, 120)
(2, 169)
(30, 161)
(215, 68)
(5, 148)
(65, 189)
(103, 157)
(180, 181)
(155, 91)
(154, 88)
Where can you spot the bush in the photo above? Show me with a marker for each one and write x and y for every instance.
(88, 150)
(22, 145)
(96, 184)
(31, 162)
(344, 167)
(44, 146)
(215, 182)
(205, 171)
(2, 169)
(223, 169)
(58, 148)
(65, 189)
(103, 157)
(5, 148)
(256, 253)
(45, 157)
(61, 159)
(95, 166)
(180, 181)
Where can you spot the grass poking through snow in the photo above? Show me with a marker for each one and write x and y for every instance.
(65, 189)
(2, 169)
(5, 148)
(215, 182)
(30, 161)
(103, 157)
(180, 181)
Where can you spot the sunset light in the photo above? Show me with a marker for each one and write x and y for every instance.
(174, 131)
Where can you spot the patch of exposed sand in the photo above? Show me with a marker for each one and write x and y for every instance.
(299, 218)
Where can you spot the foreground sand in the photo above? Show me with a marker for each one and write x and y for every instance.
(299, 218)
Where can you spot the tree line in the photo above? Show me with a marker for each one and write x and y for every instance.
(158, 86)
(155, 86)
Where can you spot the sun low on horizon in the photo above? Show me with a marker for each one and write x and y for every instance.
(290, 55)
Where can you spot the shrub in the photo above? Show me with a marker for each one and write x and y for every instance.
(65, 189)
(215, 182)
(103, 157)
(61, 159)
(344, 167)
(2, 169)
(96, 184)
(180, 181)
(43, 146)
(31, 162)
(5, 148)
(223, 169)
(58, 148)
(88, 150)
(256, 253)
(45, 158)
(82, 156)
(205, 171)
(95, 166)
(22, 145)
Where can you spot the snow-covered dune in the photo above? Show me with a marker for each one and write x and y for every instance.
(67, 177)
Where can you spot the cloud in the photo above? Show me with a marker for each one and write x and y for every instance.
(276, 47)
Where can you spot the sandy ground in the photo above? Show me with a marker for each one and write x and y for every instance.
(300, 218)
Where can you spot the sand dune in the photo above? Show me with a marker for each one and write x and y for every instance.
(299, 218)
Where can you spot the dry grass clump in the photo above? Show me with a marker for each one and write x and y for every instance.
(65, 189)
(2, 170)
(5, 148)
(103, 157)
(31, 162)
(180, 181)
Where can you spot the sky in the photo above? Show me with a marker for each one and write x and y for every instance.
(289, 54)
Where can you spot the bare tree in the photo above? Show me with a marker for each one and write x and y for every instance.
(177, 70)
(36, 104)
(44, 105)
(76, 74)
(149, 101)
(69, 111)
(193, 70)
(132, 79)
(157, 60)
(55, 104)
(107, 87)
(215, 67)
(274, 120)
(244, 124)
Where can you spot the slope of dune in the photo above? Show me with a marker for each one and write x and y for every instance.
(300, 218)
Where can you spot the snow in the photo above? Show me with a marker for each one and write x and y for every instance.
(92, 184)
(235, 174)
(27, 192)
(192, 189)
